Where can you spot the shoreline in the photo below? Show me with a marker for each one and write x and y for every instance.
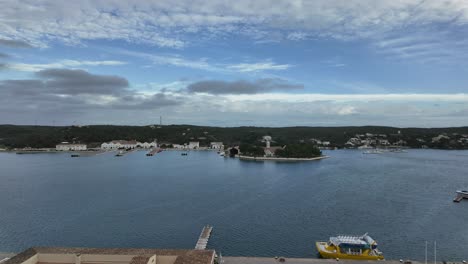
(281, 159)
(293, 260)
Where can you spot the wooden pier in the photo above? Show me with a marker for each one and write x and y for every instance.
(204, 237)
(460, 196)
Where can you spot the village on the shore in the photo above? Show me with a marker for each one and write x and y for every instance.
(265, 146)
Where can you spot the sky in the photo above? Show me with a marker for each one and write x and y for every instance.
(234, 63)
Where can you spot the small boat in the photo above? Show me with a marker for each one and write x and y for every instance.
(350, 247)
(460, 196)
(373, 151)
(74, 155)
(184, 154)
(119, 154)
(398, 150)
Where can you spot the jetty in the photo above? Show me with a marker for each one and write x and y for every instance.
(153, 151)
(120, 153)
(460, 196)
(204, 237)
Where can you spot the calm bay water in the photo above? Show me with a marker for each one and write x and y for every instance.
(261, 209)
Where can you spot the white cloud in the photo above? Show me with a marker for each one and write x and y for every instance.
(61, 64)
(423, 110)
(258, 66)
(309, 97)
(172, 23)
(205, 63)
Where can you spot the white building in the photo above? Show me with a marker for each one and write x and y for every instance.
(384, 142)
(38, 255)
(194, 145)
(439, 138)
(216, 145)
(119, 144)
(178, 146)
(267, 140)
(147, 145)
(65, 146)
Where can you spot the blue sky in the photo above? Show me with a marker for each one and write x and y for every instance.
(282, 63)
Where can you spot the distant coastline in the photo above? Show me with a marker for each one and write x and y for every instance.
(38, 137)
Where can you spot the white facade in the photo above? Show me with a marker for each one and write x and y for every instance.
(216, 145)
(70, 147)
(194, 145)
(147, 145)
(119, 144)
(178, 146)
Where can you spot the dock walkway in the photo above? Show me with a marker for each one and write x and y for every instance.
(153, 151)
(204, 237)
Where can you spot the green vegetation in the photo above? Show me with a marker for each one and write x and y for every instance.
(12, 136)
(252, 150)
(299, 151)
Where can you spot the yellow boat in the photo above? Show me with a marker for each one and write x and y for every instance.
(350, 247)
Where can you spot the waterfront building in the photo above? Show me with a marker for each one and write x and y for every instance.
(53, 255)
(178, 146)
(147, 145)
(384, 142)
(194, 145)
(125, 144)
(119, 144)
(65, 146)
(216, 145)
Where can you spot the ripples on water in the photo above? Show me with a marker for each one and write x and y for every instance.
(262, 209)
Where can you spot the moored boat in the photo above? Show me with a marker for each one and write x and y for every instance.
(350, 247)
(373, 151)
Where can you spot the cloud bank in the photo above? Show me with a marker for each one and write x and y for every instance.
(167, 23)
(59, 91)
(64, 96)
(241, 87)
(33, 67)
(11, 43)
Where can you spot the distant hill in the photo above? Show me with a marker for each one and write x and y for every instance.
(16, 136)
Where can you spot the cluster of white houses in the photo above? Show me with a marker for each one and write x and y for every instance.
(127, 144)
(196, 145)
(132, 144)
(65, 146)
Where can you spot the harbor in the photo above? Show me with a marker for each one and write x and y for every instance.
(256, 208)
